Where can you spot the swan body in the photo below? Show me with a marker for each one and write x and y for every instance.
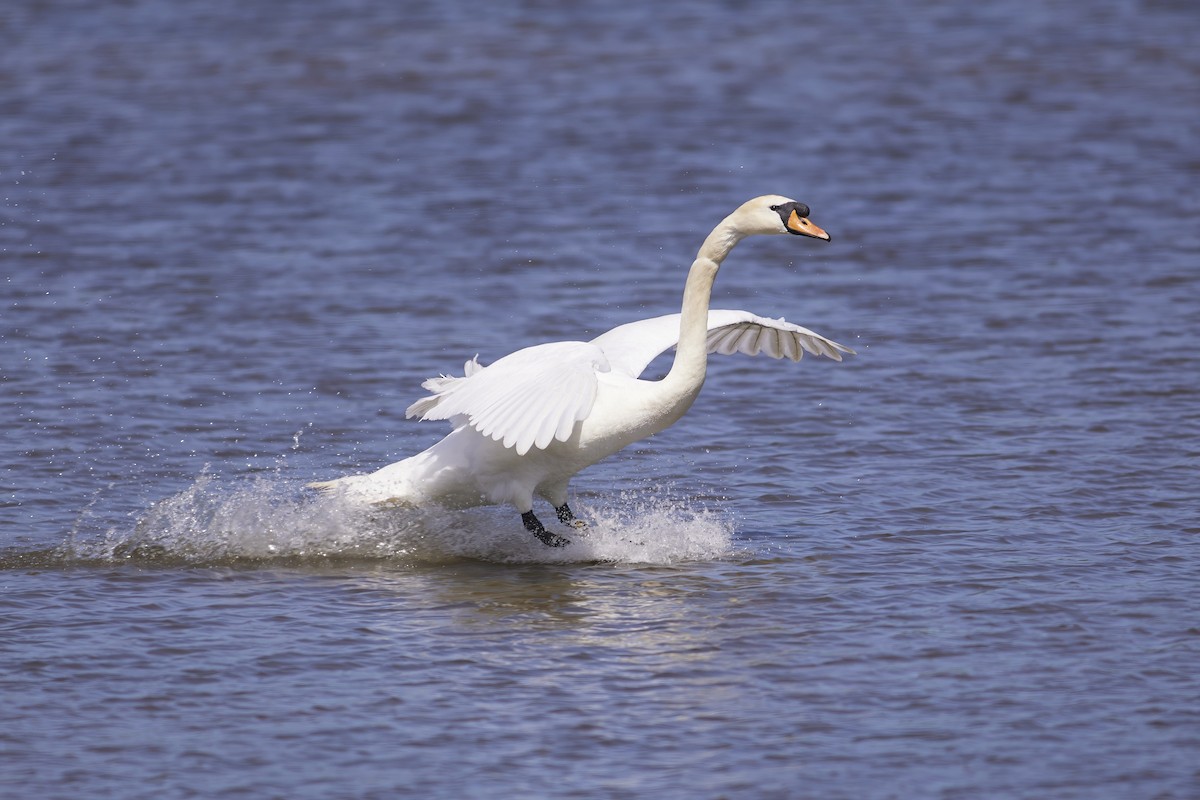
(525, 424)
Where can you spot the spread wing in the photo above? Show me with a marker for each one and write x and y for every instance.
(535, 396)
(526, 399)
(631, 347)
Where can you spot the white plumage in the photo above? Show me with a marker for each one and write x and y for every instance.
(525, 424)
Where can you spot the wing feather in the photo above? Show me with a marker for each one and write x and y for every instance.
(526, 399)
(536, 396)
(630, 348)
(790, 348)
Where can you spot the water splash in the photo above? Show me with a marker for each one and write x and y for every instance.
(275, 520)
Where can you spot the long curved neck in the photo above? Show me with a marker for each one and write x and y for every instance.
(691, 354)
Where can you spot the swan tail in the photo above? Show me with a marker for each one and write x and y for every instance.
(357, 488)
(334, 485)
(352, 489)
(399, 484)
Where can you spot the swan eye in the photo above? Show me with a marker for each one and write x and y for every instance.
(774, 208)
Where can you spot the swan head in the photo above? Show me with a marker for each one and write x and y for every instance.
(773, 213)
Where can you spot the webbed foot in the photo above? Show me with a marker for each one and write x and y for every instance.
(567, 517)
(535, 526)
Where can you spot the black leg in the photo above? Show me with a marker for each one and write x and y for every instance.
(567, 516)
(535, 526)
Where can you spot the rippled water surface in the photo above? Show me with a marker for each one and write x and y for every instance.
(235, 237)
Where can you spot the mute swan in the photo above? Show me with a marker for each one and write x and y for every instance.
(525, 424)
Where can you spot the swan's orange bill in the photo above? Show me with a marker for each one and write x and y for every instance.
(805, 227)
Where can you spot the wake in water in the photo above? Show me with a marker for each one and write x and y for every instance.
(274, 520)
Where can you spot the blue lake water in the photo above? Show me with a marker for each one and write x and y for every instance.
(235, 238)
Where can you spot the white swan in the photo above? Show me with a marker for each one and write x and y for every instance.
(524, 425)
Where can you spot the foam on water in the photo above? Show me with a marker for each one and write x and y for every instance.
(275, 519)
